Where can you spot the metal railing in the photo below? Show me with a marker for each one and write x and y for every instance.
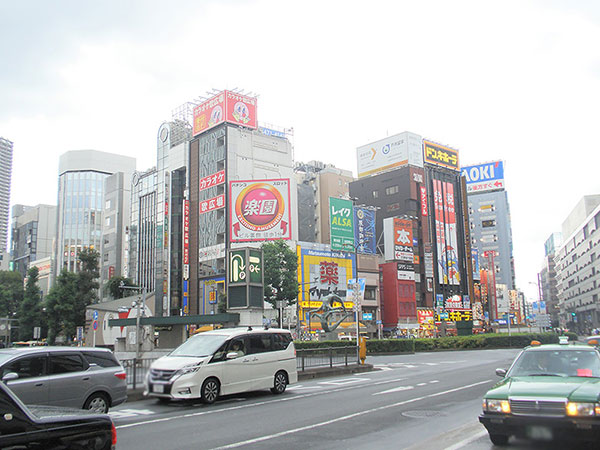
(324, 357)
(136, 370)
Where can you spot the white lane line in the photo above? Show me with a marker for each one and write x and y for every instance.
(421, 384)
(467, 441)
(344, 381)
(434, 381)
(349, 416)
(122, 413)
(396, 389)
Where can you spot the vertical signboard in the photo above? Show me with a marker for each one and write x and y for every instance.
(245, 278)
(424, 206)
(446, 234)
(186, 239)
(341, 224)
(259, 210)
(398, 239)
(364, 230)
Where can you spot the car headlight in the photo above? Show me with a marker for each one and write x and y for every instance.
(188, 369)
(581, 409)
(497, 406)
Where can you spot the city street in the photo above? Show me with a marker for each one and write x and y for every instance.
(424, 401)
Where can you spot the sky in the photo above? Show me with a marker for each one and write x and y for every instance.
(516, 81)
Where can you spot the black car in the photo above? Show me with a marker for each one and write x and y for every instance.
(52, 427)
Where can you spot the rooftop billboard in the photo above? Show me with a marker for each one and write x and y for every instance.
(226, 106)
(389, 153)
(440, 155)
(484, 177)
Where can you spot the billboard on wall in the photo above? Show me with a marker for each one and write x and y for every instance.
(398, 239)
(364, 230)
(209, 181)
(259, 210)
(341, 221)
(389, 153)
(446, 234)
(440, 155)
(484, 177)
(321, 273)
(226, 106)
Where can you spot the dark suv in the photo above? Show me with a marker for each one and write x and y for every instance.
(79, 377)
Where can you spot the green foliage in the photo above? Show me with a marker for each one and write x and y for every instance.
(390, 346)
(11, 293)
(30, 310)
(113, 286)
(280, 267)
(323, 344)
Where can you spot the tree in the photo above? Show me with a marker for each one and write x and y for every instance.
(30, 310)
(11, 293)
(60, 306)
(280, 266)
(113, 286)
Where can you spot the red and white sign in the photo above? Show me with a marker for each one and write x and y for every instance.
(212, 180)
(424, 208)
(259, 210)
(211, 204)
(186, 233)
(403, 240)
(485, 186)
(225, 106)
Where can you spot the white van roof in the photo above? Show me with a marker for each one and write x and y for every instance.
(230, 332)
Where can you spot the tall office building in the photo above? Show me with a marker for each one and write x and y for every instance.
(81, 201)
(548, 292)
(6, 152)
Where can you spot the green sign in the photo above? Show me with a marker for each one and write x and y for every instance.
(237, 266)
(255, 266)
(341, 220)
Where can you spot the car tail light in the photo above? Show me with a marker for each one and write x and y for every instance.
(113, 432)
(121, 375)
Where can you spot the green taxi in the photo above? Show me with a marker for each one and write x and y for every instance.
(550, 392)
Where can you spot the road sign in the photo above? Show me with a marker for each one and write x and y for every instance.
(79, 334)
(37, 332)
(95, 315)
(95, 325)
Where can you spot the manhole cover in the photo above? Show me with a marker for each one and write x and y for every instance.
(422, 414)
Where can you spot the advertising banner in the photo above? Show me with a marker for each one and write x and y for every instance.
(186, 237)
(446, 234)
(364, 230)
(321, 273)
(475, 262)
(406, 272)
(225, 106)
(440, 155)
(425, 316)
(341, 220)
(212, 252)
(398, 239)
(214, 179)
(424, 207)
(389, 153)
(259, 210)
(484, 177)
(211, 204)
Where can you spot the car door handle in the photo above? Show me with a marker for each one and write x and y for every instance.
(245, 360)
(39, 384)
(254, 359)
(86, 378)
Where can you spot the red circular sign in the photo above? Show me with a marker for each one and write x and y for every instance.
(259, 207)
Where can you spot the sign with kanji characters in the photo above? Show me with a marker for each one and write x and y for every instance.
(214, 179)
(211, 204)
(455, 316)
(341, 220)
(260, 210)
(440, 155)
(364, 230)
(398, 239)
(484, 177)
(225, 106)
(186, 236)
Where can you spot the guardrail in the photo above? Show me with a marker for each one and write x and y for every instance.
(136, 370)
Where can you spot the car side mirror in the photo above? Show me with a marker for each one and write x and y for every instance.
(501, 372)
(232, 355)
(10, 376)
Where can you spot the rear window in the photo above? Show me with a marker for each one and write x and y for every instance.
(260, 343)
(281, 341)
(103, 359)
(65, 363)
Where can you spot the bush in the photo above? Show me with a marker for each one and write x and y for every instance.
(391, 346)
(322, 344)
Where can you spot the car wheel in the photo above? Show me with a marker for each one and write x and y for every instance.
(210, 390)
(97, 402)
(499, 439)
(280, 383)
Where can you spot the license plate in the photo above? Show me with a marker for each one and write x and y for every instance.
(158, 388)
(540, 433)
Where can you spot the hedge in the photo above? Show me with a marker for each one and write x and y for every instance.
(477, 341)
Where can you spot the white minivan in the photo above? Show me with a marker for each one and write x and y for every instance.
(225, 361)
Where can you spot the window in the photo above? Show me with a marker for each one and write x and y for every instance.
(488, 223)
(28, 367)
(370, 293)
(260, 343)
(108, 204)
(281, 341)
(392, 190)
(103, 359)
(375, 194)
(65, 363)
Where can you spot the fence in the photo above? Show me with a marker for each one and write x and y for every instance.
(324, 357)
(136, 370)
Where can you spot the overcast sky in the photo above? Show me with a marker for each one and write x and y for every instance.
(510, 80)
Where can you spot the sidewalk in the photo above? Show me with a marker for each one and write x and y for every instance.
(135, 395)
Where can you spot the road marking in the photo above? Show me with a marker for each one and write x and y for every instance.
(434, 381)
(349, 416)
(421, 384)
(344, 381)
(396, 389)
(467, 441)
(122, 413)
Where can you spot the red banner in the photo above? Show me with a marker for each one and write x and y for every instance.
(212, 180)
(186, 232)
(225, 106)
(424, 208)
(212, 203)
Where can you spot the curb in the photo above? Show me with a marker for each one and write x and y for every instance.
(136, 395)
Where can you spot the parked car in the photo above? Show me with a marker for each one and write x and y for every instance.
(549, 392)
(79, 377)
(225, 361)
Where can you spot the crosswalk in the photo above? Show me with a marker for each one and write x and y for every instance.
(413, 365)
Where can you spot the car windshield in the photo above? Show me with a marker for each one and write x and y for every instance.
(561, 363)
(200, 345)
(5, 357)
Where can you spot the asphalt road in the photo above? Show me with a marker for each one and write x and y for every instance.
(422, 401)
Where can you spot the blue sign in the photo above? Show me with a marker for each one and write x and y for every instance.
(367, 316)
(475, 262)
(95, 325)
(364, 230)
(484, 177)
(270, 132)
(439, 300)
(95, 315)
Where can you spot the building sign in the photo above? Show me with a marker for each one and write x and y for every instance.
(271, 132)
(212, 252)
(398, 239)
(455, 316)
(211, 204)
(425, 316)
(186, 238)
(185, 302)
(212, 180)
(321, 273)
(364, 230)
(424, 206)
(484, 177)
(226, 106)
(341, 220)
(389, 153)
(440, 155)
(446, 233)
(260, 210)
(406, 272)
